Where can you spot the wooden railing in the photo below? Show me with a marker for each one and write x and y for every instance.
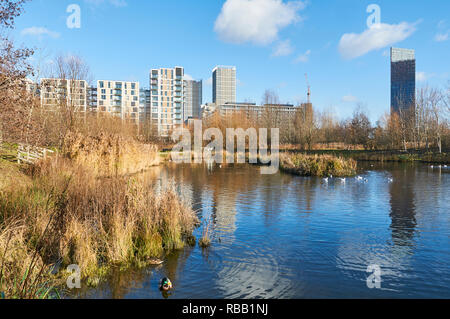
(30, 154)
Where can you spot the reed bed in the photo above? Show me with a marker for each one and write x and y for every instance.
(317, 165)
(109, 154)
(78, 209)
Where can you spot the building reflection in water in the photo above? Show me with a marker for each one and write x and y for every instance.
(403, 207)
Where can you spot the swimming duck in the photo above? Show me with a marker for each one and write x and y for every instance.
(155, 261)
(165, 284)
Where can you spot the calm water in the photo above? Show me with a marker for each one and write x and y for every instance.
(282, 236)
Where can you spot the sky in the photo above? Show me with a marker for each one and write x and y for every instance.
(343, 45)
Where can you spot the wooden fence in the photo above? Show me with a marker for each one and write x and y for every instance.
(30, 154)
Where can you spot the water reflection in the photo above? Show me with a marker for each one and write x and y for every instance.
(403, 209)
(281, 236)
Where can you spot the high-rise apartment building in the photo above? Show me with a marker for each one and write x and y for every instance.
(92, 99)
(60, 92)
(167, 99)
(403, 79)
(193, 99)
(119, 98)
(144, 105)
(224, 85)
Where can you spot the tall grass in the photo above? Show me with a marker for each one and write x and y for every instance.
(109, 154)
(81, 209)
(205, 240)
(317, 165)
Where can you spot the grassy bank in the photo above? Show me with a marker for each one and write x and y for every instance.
(388, 156)
(79, 210)
(317, 165)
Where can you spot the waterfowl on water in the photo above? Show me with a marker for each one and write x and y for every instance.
(154, 261)
(165, 284)
(325, 180)
(342, 180)
(390, 180)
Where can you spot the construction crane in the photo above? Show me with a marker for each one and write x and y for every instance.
(309, 88)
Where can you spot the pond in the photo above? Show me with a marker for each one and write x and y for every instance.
(283, 236)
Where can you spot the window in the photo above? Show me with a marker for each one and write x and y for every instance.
(103, 97)
(102, 84)
(133, 86)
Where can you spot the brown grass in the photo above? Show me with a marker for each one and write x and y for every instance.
(317, 165)
(110, 154)
(81, 209)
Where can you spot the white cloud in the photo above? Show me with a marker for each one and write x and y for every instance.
(283, 48)
(39, 32)
(441, 37)
(303, 57)
(443, 32)
(378, 36)
(423, 76)
(255, 21)
(349, 99)
(188, 77)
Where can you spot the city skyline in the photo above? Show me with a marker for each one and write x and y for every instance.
(315, 38)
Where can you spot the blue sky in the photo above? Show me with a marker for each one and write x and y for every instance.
(272, 43)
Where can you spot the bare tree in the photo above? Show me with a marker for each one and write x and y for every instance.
(447, 97)
(436, 104)
(360, 127)
(14, 68)
(68, 83)
(306, 126)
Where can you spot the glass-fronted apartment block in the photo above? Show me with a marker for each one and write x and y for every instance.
(92, 99)
(60, 92)
(167, 96)
(224, 85)
(193, 98)
(119, 98)
(144, 105)
(403, 79)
